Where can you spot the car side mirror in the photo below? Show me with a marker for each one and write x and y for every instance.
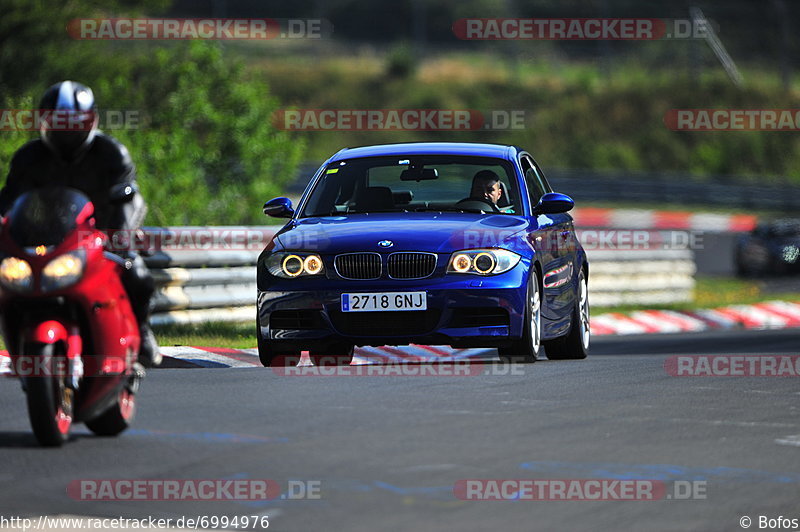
(279, 208)
(553, 203)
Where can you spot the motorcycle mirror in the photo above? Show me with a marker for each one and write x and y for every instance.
(123, 192)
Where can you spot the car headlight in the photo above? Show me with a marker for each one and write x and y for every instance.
(289, 265)
(791, 254)
(63, 271)
(16, 274)
(482, 261)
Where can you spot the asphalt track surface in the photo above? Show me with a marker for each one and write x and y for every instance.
(388, 450)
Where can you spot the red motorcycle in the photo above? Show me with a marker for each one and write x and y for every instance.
(72, 336)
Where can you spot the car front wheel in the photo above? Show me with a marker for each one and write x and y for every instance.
(575, 345)
(272, 356)
(526, 349)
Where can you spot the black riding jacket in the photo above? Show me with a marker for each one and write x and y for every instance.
(102, 168)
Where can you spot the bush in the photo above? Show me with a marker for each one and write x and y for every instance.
(208, 152)
(400, 62)
(205, 147)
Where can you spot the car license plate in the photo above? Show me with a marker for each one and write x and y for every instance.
(386, 301)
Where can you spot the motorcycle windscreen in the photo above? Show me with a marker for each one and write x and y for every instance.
(46, 216)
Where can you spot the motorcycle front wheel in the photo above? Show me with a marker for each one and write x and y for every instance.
(50, 400)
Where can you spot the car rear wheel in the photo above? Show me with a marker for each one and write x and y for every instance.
(575, 345)
(527, 348)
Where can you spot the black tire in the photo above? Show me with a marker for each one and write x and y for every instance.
(50, 401)
(575, 344)
(117, 418)
(742, 270)
(526, 349)
(336, 355)
(271, 357)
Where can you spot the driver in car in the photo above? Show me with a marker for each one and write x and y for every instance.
(486, 188)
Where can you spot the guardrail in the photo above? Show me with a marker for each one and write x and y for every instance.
(639, 277)
(205, 274)
(202, 285)
(586, 186)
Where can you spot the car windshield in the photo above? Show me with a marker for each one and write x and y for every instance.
(784, 228)
(46, 216)
(415, 184)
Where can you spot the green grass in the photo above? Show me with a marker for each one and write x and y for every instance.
(577, 114)
(228, 335)
(218, 334)
(712, 292)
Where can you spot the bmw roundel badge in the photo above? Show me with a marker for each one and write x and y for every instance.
(386, 243)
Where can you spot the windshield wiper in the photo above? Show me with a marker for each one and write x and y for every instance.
(376, 211)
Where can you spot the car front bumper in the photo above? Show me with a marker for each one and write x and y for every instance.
(462, 311)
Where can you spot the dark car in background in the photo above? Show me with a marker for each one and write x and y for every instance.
(772, 248)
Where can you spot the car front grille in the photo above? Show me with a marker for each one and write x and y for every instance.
(360, 266)
(411, 265)
(387, 324)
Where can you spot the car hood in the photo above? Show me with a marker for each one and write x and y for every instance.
(434, 232)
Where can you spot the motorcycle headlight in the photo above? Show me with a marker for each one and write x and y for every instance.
(482, 261)
(63, 271)
(288, 265)
(16, 274)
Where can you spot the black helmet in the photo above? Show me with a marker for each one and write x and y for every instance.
(69, 119)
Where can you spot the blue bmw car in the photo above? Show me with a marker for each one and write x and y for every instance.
(454, 244)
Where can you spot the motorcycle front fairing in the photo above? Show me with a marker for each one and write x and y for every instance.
(73, 296)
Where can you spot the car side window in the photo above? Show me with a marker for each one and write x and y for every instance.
(534, 181)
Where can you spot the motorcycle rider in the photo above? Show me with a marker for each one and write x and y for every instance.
(80, 156)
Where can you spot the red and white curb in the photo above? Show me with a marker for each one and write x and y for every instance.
(218, 357)
(653, 219)
(209, 357)
(768, 315)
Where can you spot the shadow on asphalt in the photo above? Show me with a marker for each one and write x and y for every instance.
(17, 440)
(716, 342)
